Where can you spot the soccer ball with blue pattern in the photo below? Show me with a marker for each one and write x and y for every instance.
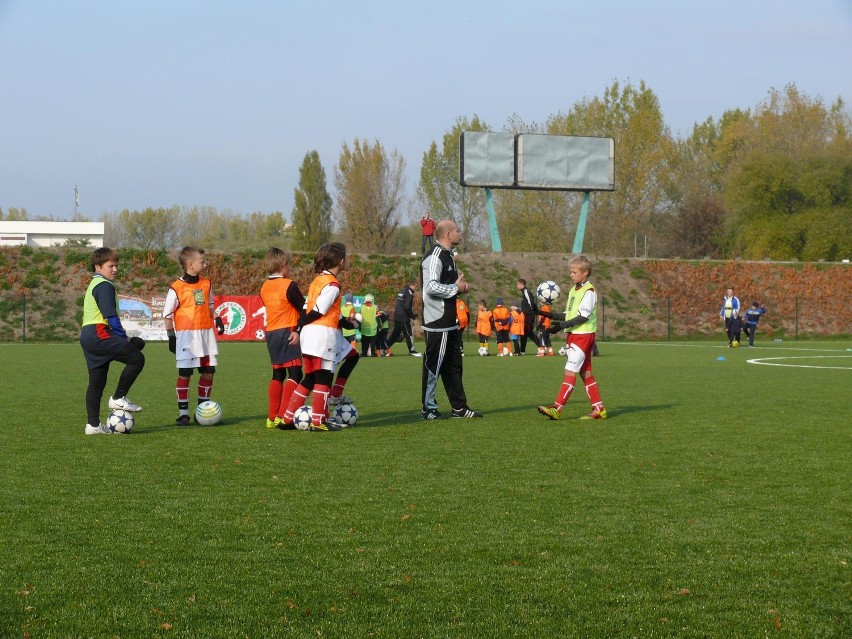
(208, 413)
(346, 414)
(482, 351)
(120, 422)
(548, 292)
(302, 418)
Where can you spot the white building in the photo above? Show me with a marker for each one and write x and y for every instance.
(25, 232)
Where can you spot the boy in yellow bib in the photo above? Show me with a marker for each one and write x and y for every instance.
(580, 320)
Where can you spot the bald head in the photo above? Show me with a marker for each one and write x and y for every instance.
(447, 234)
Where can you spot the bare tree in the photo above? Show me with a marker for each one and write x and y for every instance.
(370, 192)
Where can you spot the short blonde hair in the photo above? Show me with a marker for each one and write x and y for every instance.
(582, 262)
(276, 260)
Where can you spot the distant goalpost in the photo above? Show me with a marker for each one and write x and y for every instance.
(526, 161)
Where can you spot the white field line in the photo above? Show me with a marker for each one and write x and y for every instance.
(770, 361)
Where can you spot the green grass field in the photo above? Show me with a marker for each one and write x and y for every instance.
(715, 502)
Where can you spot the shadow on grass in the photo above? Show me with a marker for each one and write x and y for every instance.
(627, 410)
(404, 418)
(260, 420)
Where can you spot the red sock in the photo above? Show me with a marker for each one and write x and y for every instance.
(287, 390)
(205, 387)
(296, 400)
(182, 391)
(593, 393)
(565, 390)
(319, 406)
(274, 392)
(339, 385)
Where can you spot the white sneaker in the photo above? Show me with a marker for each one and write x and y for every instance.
(122, 403)
(415, 354)
(343, 399)
(100, 429)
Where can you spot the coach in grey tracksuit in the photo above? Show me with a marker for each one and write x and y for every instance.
(441, 283)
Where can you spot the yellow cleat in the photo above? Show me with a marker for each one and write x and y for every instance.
(549, 411)
(595, 414)
(273, 423)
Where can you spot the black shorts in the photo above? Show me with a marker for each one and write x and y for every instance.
(99, 345)
(280, 350)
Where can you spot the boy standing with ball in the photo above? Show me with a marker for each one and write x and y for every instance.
(103, 340)
(580, 320)
(323, 344)
(190, 322)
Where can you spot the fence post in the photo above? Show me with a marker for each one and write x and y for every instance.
(603, 318)
(797, 318)
(669, 317)
(23, 317)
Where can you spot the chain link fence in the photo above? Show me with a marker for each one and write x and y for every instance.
(45, 317)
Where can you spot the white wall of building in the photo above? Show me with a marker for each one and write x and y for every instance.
(25, 232)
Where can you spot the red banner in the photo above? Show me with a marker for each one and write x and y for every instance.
(244, 317)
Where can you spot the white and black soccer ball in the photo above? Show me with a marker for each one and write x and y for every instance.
(482, 351)
(259, 334)
(120, 422)
(346, 414)
(548, 292)
(563, 351)
(208, 413)
(302, 418)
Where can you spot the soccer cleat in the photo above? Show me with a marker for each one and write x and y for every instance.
(100, 429)
(343, 399)
(464, 413)
(122, 403)
(327, 426)
(272, 423)
(415, 354)
(549, 411)
(280, 424)
(183, 420)
(432, 413)
(595, 414)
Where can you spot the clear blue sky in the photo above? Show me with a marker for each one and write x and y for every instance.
(186, 102)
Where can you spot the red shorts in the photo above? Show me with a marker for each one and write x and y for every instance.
(579, 347)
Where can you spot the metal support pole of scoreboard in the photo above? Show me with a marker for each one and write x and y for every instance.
(581, 224)
(496, 247)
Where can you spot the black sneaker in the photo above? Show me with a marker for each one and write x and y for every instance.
(465, 413)
(183, 420)
(432, 413)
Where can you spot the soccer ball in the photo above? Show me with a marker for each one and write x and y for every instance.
(302, 418)
(259, 334)
(482, 351)
(208, 413)
(563, 351)
(346, 414)
(735, 344)
(120, 422)
(548, 292)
